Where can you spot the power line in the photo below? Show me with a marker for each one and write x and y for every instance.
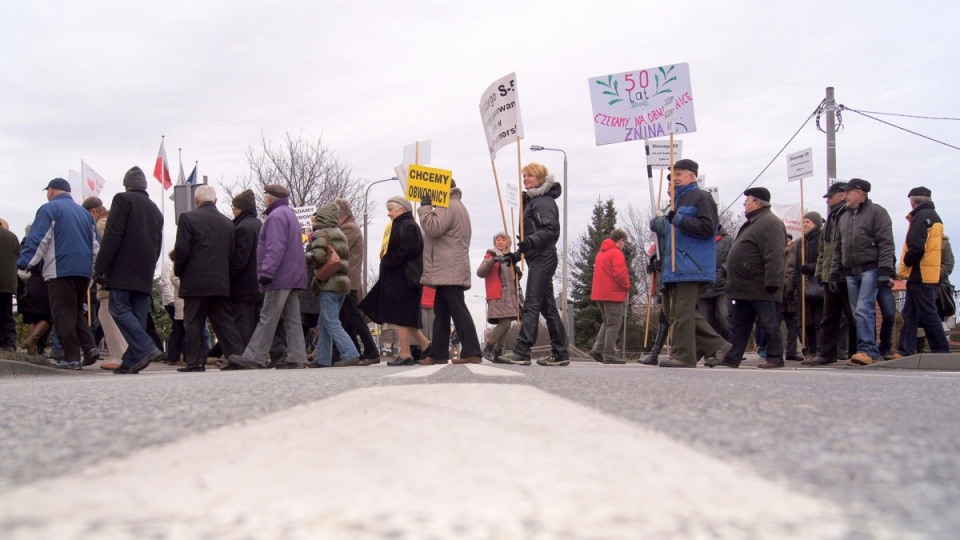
(861, 113)
(908, 115)
(805, 122)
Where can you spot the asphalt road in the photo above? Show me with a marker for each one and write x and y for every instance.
(588, 450)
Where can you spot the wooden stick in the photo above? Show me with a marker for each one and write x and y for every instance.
(516, 282)
(673, 207)
(496, 181)
(650, 291)
(803, 279)
(520, 194)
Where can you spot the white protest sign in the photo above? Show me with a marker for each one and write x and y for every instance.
(791, 215)
(702, 181)
(512, 195)
(714, 192)
(658, 153)
(630, 106)
(500, 114)
(75, 180)
(92, 182)
(417, 153)
(800, 165)
(401, 172)
(303, 215)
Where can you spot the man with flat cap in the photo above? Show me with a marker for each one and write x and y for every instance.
(755, 270)
(863, 255)
(694, 220)
(920, 267)
(130, 248)
(64, 237)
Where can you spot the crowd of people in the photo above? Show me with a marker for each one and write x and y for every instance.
(274, 301)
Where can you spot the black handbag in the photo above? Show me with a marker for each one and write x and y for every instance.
(814, 289)
(946, 300)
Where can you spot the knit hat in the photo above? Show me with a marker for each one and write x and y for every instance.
(276, 190)
(498, 235)
(687, 165)
(135, 179)
(91, 202)
(402, 202)
(815, 217)
(244, 200)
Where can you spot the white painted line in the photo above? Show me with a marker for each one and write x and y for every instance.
(490, 371)
(421, 371)
(425, 461)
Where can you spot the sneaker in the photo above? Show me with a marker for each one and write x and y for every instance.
(595, 355)
(861, 359)
(515, 359)
(762, 353)
(553, 361)
(65, 364)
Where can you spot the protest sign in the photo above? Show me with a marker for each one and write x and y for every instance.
(303, 215)
(91, 182)
(429, 181)
(792, 217)
(658, 155)
(800, 165)
(500, 114)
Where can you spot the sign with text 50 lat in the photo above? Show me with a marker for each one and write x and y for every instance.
(630, 106)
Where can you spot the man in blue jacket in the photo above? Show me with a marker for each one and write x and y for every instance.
(64, 237)
(693, 244)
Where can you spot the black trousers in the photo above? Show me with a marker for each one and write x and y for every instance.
(451, 305)
(8, 325)
(351, 318)
(539, 300)
(836, 305)
(196, 310)
(766, 314)
(67, 297)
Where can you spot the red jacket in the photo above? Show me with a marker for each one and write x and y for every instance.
(611, 279)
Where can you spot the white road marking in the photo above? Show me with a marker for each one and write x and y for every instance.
(424, 461)
(421, 371)
(490, 371)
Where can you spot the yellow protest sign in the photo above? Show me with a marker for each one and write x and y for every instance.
(429, 181)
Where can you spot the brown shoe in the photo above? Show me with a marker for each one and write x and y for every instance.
(431, 361)
(110, 366)
(861, 359)
(468, 360)
(770, 365)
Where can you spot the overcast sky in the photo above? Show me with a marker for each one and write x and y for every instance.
(102, 81)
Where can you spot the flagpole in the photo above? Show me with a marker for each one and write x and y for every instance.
(163, 208)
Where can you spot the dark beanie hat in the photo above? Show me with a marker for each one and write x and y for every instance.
(91, 202)
(815, 217)
(761, 193)
(244, 200)
(276, 190)
(687, 165)
(135, 179)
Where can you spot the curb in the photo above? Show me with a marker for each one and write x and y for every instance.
(12, 368)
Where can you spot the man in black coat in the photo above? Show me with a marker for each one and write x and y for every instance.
(201, 259)
(9, 251)
(128, 255)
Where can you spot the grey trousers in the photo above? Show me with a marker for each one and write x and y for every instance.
(277, 304)
(606, 344)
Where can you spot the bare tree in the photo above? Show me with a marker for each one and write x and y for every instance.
(314, 173)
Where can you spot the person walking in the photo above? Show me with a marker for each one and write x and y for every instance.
(9, 251)
(863, 256)
(201, 259)
(503, 305)
(64, 237)
(755, 269)
(611, 283)
(281, 273)
(116, 343)
(351, 318)
(446, 268)
(713, 302)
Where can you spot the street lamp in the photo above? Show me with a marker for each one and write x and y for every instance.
(366, 220)
(566, 233)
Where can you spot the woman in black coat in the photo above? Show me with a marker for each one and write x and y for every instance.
(813, 289)
(395, 299)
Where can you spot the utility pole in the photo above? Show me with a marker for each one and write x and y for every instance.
(831, 110)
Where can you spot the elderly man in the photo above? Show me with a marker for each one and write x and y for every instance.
(282, 273)
(692, 225)
(446, 268)
(64, 237)
(863, 255)
(920, 266)
(201, 259)
(129, 251)
(9, 251)
(350, 315)
(755, 269)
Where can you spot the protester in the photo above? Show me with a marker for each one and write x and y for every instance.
(790, 302)
(693, 226)
(713, 302)
(246, 298)
(64, 237)
(920, 266)
(395, 298)
(541, 230)
(801, 278)
(655, 268)
(33, 306)
(446, 268)
(351, 317)
(173, 305)
(9, 251)
(116, 343)
(611, 283)
(333, 290)
(201, 260)
(863, 255)
(503, 305)
(281, 273)
(755, 269)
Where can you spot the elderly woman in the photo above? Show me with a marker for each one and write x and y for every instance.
(503, 305)
(395, 299)
(812, 288)
(541, 230)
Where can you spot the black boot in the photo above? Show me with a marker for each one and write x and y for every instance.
(652, 358)
(487, 352)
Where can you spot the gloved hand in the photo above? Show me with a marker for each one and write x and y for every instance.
(100, 278)
(771, 289)
(426, 201)
(670, 215)
(24, 274)
(523, 246)
(264, 280)
(834, 285)
(514, 257)
(808, 269)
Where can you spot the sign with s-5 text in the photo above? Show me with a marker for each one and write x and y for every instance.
(632, 106)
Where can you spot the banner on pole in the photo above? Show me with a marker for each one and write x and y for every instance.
(800, 165)
(91, 181)
(418, 152)
(429, 181)
(513, 194)
(792, 217)
(500, 114)
(630, 106)
(75, 180)
(658, 156)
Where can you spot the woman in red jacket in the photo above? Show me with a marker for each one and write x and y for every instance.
(611, 281)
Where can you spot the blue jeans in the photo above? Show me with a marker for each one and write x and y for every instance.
(888, 316)
(331, 331)
(920, 310)
(129, 310)
(862, 290)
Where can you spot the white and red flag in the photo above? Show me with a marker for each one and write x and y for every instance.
(92, 182)
(161, 171)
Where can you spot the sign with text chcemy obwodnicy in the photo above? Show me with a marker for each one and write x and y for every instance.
(429, 181)
(500, 113)
(630, 106)
(800, 165)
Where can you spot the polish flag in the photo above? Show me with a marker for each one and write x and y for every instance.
(161, 171)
